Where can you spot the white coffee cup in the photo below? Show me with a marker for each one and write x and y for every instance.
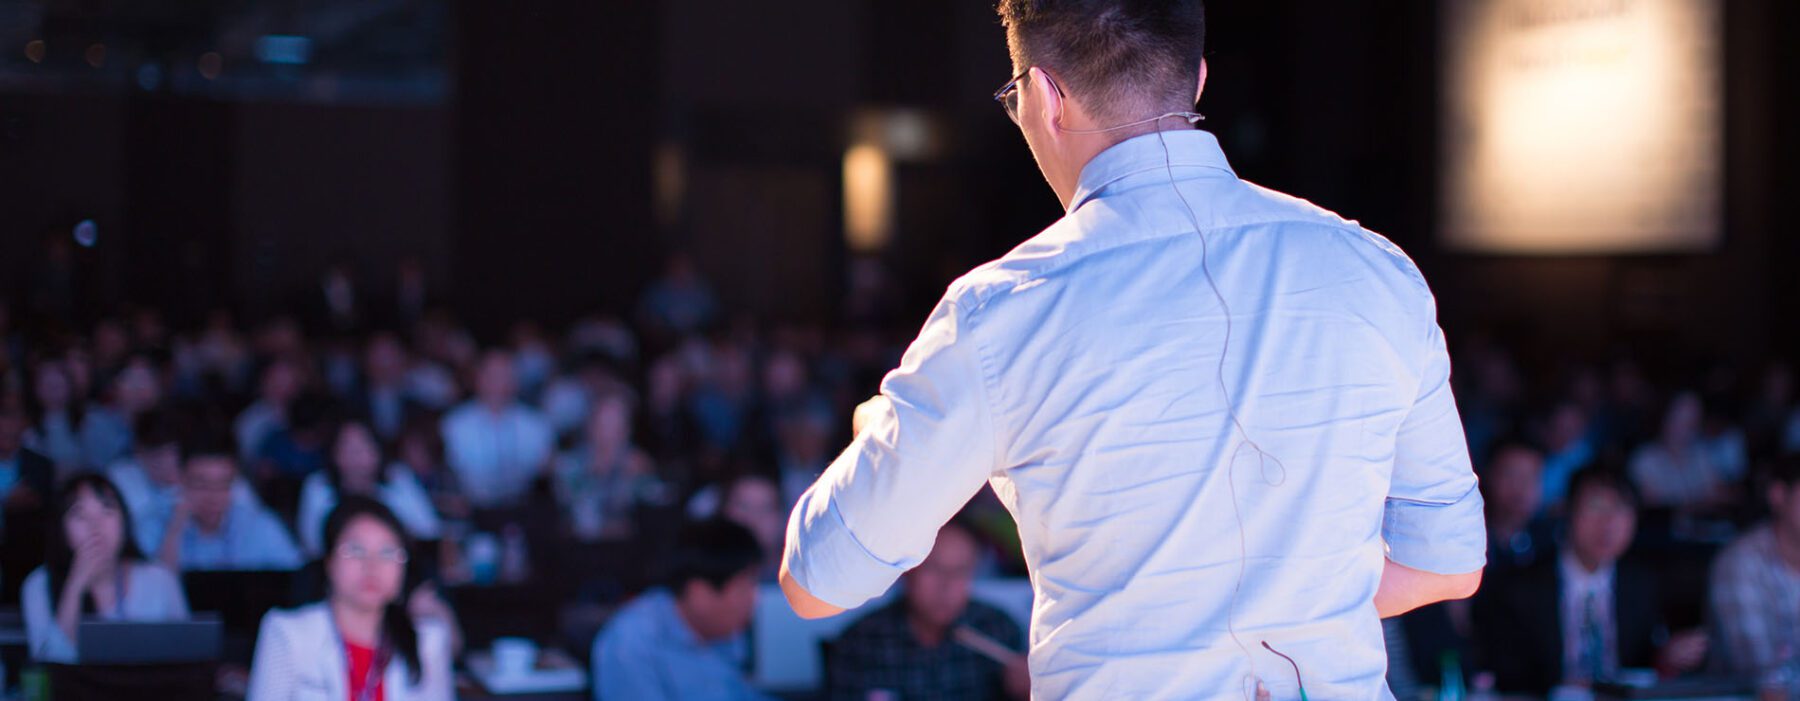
(514, 657)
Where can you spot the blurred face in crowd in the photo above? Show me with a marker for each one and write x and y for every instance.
(495, 382)
(137, 387)
(95, 517)
(206, 485)
(1568, 423)
(716, 614)
(937, 591)
(52, 387)
(784, 375)
(1682, 422)
(418, 451)
(807, 437)
(385, 360)
(1784, 509)
(1602, 522)
(161, 463)
(755, 504)
(281, 382)
(1513, 485)
(110, 339)
(358, 458)
(12, 431)
(609, 424)
(367, 566)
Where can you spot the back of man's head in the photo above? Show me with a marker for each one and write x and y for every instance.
(1784, 471)
(1122, 59)
(712, 552)
(713, 575)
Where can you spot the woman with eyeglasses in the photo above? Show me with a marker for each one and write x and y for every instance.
(93, 570)
(366, 641)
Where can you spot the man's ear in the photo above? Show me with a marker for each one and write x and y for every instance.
(1049, 100)
(1201, 88)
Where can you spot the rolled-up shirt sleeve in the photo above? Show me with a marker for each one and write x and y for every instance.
(1433, 519)
(876, 510)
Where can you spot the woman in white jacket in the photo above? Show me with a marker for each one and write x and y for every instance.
(361, 643)
(357, 466)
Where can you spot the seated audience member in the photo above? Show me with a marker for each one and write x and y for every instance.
(58, 415)
(1585, 614)
(280, 384)
(1680, 468)
(598, 481)
(912, 647)
(1511, 486)
(496, 444)
(752, 501)
(421, 450)
(26, 478)
(383, 395)
(135, 389)
(364, 641)
(1569, 448)
(95, 570)
(686, 643)
(805, 448)
(290, 453)
(150, 480)
(210, 530)
(357, 467)
(1755, 592)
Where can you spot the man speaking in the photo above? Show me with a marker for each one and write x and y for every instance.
(1221, 416)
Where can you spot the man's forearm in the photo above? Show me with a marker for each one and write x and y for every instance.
(803, 602)
(1404, 588)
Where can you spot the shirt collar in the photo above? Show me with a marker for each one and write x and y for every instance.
(1187, 148)
(1578, 579)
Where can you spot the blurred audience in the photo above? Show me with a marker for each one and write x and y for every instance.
(366, 640)
(600, 480)
(209, 529)
(95, 572)
(585, 444)
(497, 445)
(1585, 614)
(1512, 488)
(686, 642)
(1755, 593)
(357, 467)
(1683, 468)
(932, 642)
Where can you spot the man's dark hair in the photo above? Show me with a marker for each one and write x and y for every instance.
(208, 441)
(157, 428)
(1601, 478)
(1784, 471)
(1125, 59)
(713, 551)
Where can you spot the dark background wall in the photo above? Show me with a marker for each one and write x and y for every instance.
(529, 191)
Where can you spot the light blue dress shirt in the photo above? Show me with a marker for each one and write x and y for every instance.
(648, 653)
(1080, 376)
(497, 455)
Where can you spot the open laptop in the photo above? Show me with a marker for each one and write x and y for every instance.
(144, 643)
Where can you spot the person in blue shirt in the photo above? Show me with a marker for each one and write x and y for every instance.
(686, 642)
(1221, 416)
(210, 529)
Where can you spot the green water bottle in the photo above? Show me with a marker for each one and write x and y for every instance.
(1450, 685)
(34, 684)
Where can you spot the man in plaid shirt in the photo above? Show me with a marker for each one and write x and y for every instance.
(921, 646)
(1756, 584)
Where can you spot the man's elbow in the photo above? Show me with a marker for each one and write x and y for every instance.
(1461, 586)
(802, 601)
